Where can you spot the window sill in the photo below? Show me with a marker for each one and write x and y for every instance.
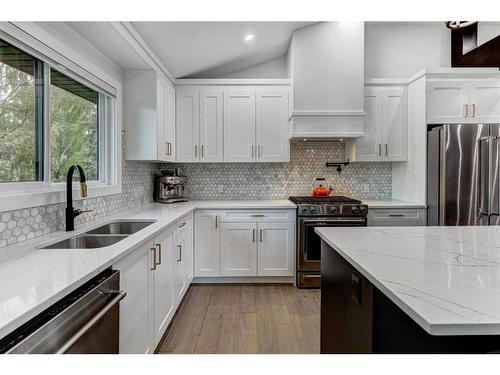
(46, 195)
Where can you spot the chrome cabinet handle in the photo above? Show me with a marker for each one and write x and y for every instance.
(379, 149)
(257, 215)
(180, 226)
(253, 151)
(202, 151)
(396, 215)
(216, 220)
(259, 148)
(466, 111)
(153, 249)
(179, 259)
(260, 234)
(386, 149)
(195, 151)
(473, 110)
(92, 322)
(253, 235)
(158, 245)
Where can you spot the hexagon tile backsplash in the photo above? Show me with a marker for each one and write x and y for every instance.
(214, 181)
(281, 180)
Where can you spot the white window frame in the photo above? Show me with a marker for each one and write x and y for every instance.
(18, 195)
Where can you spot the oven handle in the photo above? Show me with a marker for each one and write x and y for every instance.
(333, 221)
(92, 322)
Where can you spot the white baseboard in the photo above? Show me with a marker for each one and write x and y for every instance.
(245, 280)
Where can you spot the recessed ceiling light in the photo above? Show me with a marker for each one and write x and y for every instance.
(249, 37)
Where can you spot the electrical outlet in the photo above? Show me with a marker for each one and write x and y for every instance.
(366, 187)
(220, 189)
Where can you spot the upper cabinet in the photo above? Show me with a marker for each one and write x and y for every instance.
(199, 125)
(386, 126)
(463, 101)
(232, 123)
(149, 116)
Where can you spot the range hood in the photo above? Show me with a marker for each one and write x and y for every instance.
(326, 64)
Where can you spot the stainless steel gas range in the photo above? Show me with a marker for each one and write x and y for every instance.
(334, 211)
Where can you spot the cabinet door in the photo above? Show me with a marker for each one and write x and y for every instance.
(239, 249)
(135, 314)
(369, 148)
(179, 264)
(163, 284)
(188, 125)
(447, 102)
(239, 126)
(395, 125)
(169, 140)
(211, 136)
(161, 131)
(272, 126)
(276, 249)
(207, 244)
(484, 101)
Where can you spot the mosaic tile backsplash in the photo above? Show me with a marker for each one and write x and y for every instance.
(214, 182)
(24, 224)
(281, 180)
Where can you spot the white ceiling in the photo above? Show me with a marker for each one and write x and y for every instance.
(212, 49)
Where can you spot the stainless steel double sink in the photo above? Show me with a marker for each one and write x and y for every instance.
(105, 235)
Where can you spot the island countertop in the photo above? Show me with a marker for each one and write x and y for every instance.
(447, 279)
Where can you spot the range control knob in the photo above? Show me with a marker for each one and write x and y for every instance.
(333, 210)
(303, 210)
(363, 210)
(313, 210)
(355, 210)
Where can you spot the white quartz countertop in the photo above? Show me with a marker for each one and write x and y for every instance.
(32, 279)
(447, 279)
(391, 203)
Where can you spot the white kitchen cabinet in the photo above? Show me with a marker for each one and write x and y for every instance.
(135, 309)
(238, 249)
(239, 126)
(276, 248)
(183, 257)
(386, 127)
(272, 126)
(396, 217)
(207, 243)
(463, 101)
(188, 125)
(199, 125)
(149, 116)
(164, 302)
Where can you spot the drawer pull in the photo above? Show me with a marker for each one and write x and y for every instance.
(183, 224)
(312, 276)
(258, 215)
(153, 267)
(396, 215)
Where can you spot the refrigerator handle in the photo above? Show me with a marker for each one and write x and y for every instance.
(483, 191)
(494, 177)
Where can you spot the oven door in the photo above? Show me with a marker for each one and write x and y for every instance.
(309, 243)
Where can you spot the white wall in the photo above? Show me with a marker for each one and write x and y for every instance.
(409, 178)
(328, 67)
(400, 49)
(274, 68)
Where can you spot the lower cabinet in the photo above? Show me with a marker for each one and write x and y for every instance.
(155, 277)
(238, 249)
(244, 243)
(396, 217)
(164, 302)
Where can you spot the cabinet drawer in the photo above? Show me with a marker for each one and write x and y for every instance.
(397, 217)
(259, 215)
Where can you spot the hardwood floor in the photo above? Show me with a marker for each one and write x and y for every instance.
(234, 318)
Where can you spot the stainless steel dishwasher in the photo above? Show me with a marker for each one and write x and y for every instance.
(85, 321)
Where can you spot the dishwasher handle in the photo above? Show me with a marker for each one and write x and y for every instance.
(68, 344)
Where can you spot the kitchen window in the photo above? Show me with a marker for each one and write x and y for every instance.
(50, 119)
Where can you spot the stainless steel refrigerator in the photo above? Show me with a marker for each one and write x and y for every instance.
(463, 185)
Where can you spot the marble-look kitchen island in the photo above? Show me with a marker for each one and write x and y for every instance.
(410, 290)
